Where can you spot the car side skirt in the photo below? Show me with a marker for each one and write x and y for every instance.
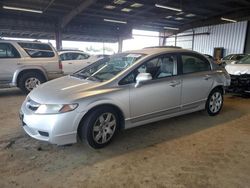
(158, 116)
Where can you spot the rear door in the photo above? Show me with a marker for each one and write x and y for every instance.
(197, 80)
(41, 54)
(9, 58)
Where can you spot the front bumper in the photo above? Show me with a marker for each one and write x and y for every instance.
(57, 129)
(239, 84)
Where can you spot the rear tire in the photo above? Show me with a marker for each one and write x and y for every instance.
(29, 81)
(100, 127)
(214, 102)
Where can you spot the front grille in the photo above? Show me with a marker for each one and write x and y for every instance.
(32, 105)
(240, 80)
(239, 83)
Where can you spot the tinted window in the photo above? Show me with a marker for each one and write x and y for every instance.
(245, 60)
(8, 51)
(191, 64)
(37, 50)
(160, 67)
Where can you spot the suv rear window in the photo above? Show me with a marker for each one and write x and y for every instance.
(37, 50)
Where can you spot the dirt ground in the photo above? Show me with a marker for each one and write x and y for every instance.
(190, 151)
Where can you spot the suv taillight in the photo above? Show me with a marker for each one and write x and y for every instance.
(60, 65)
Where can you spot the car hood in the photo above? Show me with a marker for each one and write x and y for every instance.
(238, 69)
(65, 90)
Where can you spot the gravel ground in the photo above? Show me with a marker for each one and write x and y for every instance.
(190, 151)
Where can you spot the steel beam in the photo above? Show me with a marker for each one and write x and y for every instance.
(84, 5)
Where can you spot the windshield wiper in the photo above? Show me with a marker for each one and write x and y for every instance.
(93, 78)
(79, 76)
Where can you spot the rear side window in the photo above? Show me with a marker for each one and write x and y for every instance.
(193, 63)
(37, 50)
(8, 51)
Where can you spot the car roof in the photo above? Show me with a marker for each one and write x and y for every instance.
(24, 41)
(158, 50)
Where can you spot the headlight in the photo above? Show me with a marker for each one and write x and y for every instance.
(55, 108)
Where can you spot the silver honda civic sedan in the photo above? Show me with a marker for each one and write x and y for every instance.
(120, 92)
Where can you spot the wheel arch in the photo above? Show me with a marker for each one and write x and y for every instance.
(117, 109)
(20, 72)
(220, 87)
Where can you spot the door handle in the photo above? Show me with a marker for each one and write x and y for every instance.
(174, 83)
(207, 77)
(70, 63)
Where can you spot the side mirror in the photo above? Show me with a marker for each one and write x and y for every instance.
(142, 77)
(233, 62)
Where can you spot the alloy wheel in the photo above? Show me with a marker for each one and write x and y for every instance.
(104, 128)
(32, 83)
(215, 102)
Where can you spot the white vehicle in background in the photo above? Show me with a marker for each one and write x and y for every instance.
(231, 59)
(75, 60)
(26, 64)
(240, 75)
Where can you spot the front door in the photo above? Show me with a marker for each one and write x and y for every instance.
(9, 58)
(161, 95)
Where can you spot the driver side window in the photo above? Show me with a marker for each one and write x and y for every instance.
(159, 67)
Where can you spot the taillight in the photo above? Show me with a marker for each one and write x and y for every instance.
(60, 65)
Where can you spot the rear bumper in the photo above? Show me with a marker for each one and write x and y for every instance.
(239, 84)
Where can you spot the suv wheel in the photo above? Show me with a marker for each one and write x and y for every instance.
(214, 102)
(100, 127)
(29, 81)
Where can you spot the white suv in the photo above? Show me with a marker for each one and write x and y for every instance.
(27, 64)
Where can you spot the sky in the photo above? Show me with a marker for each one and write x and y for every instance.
(137, 42)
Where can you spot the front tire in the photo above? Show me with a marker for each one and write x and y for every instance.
(214, 102)
(29, 81)
(100, 127)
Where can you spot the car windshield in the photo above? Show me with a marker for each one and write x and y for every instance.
(245, 60)
(237, 57)
(227, 57)
(107, 68)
